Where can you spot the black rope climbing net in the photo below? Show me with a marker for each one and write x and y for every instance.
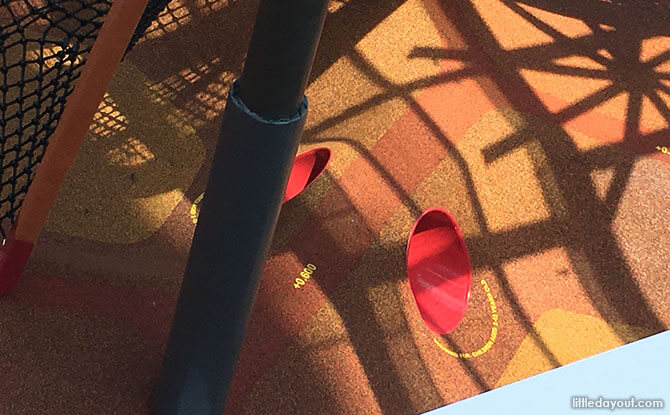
(43, 46)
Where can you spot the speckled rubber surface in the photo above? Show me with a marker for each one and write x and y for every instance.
(536, 128)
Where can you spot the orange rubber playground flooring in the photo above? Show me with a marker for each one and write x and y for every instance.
(537, 126)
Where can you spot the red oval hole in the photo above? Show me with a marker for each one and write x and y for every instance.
(306, 168)
(438, 269)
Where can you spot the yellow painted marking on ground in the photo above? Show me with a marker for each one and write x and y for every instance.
(305, 275)
(492, 337)
(132, 169)
(194, 208)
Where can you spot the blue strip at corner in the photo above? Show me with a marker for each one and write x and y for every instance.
(638, 369)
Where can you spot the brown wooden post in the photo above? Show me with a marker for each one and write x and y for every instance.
(105, 56)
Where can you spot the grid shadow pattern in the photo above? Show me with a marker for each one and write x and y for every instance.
(151, 13)
(43, 46)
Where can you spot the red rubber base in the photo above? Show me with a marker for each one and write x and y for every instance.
(306, 168)
(438, 269)
(13, 257)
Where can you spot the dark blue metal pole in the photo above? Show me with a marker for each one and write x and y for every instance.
(262, 123)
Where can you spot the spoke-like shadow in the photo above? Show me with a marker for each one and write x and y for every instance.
(585, 232)
(366, 68)
(491, 249)
(587, 229)
(591, 231)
